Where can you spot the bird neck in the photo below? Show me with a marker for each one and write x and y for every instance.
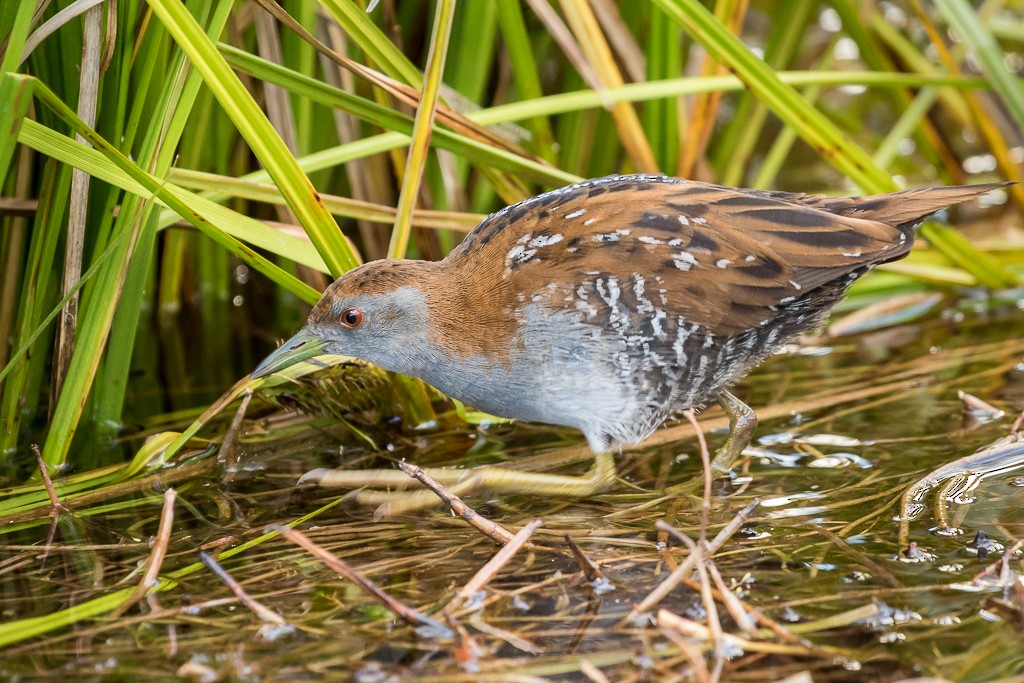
(471, 315)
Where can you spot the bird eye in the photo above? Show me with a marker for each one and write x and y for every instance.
(352, 317)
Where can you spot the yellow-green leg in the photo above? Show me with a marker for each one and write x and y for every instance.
(742, 423)
(461, 482)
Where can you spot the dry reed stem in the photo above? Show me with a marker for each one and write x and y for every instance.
(486, 573)
(156, 557)
(262, 611)
(400, 91)
(487, 527)
(407, 614)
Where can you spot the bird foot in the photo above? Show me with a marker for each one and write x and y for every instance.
(396, 499)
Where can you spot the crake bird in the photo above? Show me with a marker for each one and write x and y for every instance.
(610, 305)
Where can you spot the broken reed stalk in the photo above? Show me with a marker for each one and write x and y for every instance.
(260, 610)
(705, 458)
(488, 528)
(55, 506)
(407, 614)
(44, 471)
(684, 569)
(227, 455)
(591, 572)
(156, 556)
(494, 565)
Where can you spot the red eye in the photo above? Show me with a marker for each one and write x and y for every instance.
(352, 317)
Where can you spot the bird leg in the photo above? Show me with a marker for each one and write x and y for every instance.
(462, 481)
(742, 423)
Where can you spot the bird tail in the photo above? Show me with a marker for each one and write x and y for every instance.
(907, 208)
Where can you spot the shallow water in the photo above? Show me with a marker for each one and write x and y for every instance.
(847, 426)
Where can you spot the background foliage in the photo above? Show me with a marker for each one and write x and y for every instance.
(159, 226)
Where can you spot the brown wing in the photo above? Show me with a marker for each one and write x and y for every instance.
(721, 257)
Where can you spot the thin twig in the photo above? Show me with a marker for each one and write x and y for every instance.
(156, 556)
(512, 639)
(408, 614)
(692, 653)
(705, 458)
(684, 569)
(467, 651)
(766, 622)
(667, 620)
(863, 558)
(711, 610)
(1015, 429)
(494, 565)
(737, 610)
(55, 506)
(44, 471)
(592, 673)
(262, 611)
(488, 528)
(227, 455)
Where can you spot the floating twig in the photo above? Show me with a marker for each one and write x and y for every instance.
(667, 620)
(863, 558)
(407, 614)
(488, 528)
(684, 569)
(591, 572)
(262, 611)
(512, 639)
(494, 565)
